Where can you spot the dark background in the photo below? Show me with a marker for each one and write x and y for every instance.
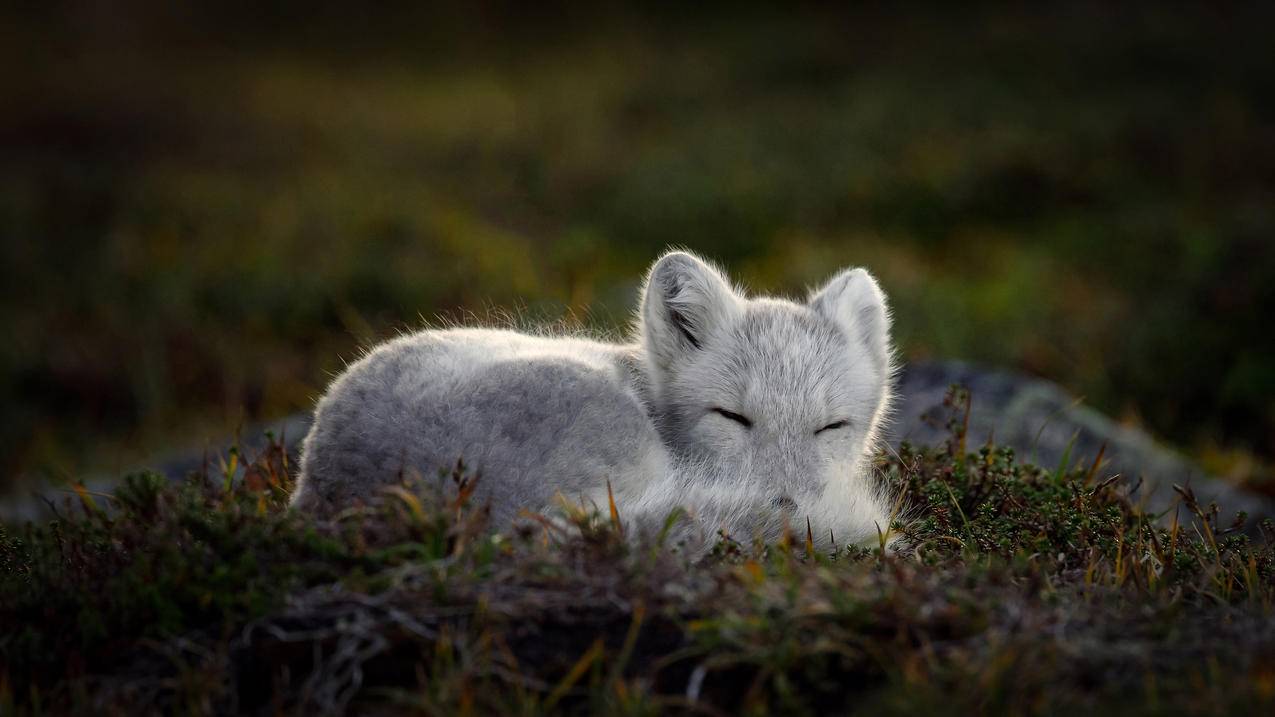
(205, 212)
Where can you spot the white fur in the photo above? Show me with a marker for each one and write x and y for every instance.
(541, 416)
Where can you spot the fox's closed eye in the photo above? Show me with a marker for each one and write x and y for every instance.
(741, 420)
(833, 426)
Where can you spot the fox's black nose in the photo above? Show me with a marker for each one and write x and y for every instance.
(784, 503)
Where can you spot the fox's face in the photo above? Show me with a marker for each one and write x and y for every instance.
(774, 404)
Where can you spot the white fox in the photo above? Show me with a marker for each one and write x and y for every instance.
(751, 414)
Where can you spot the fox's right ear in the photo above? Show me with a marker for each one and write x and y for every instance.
(684, 302)
(855, 302)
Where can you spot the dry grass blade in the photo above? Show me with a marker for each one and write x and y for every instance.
(593, 654)
(615, 513)
(1097, 463)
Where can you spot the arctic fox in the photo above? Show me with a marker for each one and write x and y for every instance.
(752, 414)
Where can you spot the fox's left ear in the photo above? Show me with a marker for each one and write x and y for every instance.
(685, 303)
(854, 301)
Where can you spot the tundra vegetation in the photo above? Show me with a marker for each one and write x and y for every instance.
(1021, 590)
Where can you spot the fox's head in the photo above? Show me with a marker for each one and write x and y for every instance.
(774, 404)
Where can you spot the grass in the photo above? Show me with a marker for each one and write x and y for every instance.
(1020, 591)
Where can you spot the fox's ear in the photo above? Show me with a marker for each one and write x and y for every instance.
(685, 300)
(854, 301)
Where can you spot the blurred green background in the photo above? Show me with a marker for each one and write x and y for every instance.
(205, 211)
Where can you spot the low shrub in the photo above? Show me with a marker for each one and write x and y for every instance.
(1010, 589)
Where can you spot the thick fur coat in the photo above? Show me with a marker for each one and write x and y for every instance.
(751, 414)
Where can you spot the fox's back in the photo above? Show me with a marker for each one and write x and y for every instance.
(535, 416)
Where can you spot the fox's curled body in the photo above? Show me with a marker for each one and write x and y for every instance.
(750, 414)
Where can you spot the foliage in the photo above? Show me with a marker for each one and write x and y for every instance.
(1080, 191)
(1016, 590)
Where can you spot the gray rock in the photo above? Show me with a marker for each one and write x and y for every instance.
(1037, 418)
(1044, 424)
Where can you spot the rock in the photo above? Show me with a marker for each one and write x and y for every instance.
(1042, 423)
